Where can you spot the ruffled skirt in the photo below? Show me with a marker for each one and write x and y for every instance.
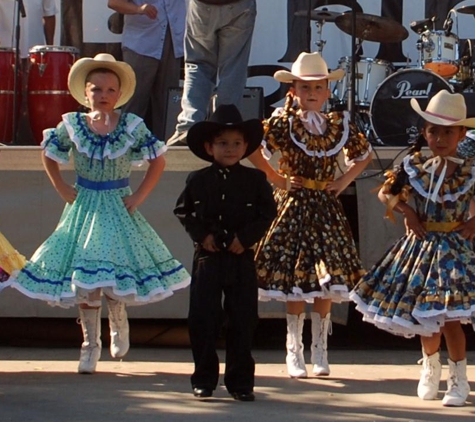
(99, 245)
(419, 285)
(309, 251)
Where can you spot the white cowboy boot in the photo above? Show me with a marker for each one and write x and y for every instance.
(119, 328)
(321, 328)
(91, 347)
(428, 386)
(295, 359)
(458, 387)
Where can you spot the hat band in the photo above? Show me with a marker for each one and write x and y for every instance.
(442, 116)
(312, 75)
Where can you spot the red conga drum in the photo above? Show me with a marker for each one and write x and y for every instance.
(48, 94)
(7, 94)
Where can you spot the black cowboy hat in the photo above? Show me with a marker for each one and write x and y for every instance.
(226, 116)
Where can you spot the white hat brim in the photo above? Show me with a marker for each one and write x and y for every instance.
(285, 76)
(437, 120)
(81, 68)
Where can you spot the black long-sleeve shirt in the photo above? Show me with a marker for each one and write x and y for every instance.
(226, 202)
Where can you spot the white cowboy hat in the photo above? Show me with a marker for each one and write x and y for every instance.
(308, 67)
(445, 109)
(81, 68)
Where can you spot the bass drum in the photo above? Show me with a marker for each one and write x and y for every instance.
(393, 120)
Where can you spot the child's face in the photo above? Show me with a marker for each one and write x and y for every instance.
(311, 95)
(103, 91)
(443, 140)
(227, 148)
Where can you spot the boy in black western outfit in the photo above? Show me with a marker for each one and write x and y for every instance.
(225, 208)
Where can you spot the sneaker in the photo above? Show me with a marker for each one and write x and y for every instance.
(178, 139)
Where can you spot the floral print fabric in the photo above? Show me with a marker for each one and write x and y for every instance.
(420, 284)
(309, 250)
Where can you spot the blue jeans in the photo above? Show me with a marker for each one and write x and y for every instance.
(217, 47)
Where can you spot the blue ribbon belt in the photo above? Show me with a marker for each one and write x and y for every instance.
(111, 184)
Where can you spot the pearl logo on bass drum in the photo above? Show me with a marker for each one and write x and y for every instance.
(405, 90)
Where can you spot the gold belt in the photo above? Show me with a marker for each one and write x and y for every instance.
(440, 227)
(313, 184)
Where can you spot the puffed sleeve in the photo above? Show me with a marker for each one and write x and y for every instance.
(357, 147)
(275, 132)
(57, 143)
(146, 146)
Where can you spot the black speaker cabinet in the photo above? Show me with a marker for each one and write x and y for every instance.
(252, 106)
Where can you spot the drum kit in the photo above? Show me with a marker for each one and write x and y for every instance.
(382, 93)
(47, 94)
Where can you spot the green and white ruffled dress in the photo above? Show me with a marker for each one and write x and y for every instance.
(97, 245)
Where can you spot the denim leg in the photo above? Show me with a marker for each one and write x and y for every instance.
(234, 48)
(217, 41)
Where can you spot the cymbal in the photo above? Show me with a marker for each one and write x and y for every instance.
(318, 15)
(469, 10)
(372, 27)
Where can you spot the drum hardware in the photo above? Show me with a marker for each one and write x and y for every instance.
(439, 50)
(369, 74)
(373, 28)
(463, 79)
(320, 17)
(423, 25)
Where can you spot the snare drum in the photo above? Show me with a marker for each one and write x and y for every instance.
(440, 53)
(7, 94)
(48, 94)
(393, 120)
(369, 74)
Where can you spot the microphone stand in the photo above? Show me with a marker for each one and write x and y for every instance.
(20, 10)
(351, 97)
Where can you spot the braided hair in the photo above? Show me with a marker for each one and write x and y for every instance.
(401, 175)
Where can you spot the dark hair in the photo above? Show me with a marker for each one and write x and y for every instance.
(401, 175)
(101, 70)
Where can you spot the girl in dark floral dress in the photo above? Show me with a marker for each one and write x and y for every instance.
(425, 284)
(308, 254)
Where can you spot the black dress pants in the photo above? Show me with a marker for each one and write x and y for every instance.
(234, 276)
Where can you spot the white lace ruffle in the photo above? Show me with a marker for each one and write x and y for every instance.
(417, 183)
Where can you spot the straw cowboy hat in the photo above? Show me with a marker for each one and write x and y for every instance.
(308, 67)
(226, 116)
(81, 68)
(445, 109)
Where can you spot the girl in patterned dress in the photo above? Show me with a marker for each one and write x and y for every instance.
(425, 284)
(102, 244)
(308, 254)
(11, 261)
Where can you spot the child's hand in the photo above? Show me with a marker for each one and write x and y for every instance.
(209, 244)
(467, 229)
(132, 202)
(236, 247)
(283, 183)
(67, 192)
(336, 186)
(413, 225)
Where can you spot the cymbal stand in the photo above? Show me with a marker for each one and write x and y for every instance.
(319, 42)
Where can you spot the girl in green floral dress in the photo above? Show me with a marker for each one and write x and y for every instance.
(309, 254)
(102, 244)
